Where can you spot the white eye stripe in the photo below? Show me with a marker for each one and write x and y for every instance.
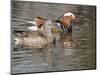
(69, 14)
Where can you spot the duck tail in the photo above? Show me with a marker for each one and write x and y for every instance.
(17, 33)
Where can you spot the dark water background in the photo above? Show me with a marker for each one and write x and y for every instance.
(74, 51)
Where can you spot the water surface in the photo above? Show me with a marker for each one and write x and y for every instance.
(74, 51)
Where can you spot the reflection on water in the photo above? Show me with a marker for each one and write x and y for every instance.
(71, 51)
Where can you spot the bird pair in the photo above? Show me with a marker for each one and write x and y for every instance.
(63, 23)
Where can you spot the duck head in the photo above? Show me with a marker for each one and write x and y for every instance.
(71, 15)
(67, 18)
(39, 21)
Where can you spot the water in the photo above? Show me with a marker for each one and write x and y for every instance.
(74, 51)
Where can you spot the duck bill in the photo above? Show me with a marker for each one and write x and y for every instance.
(74, 17)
